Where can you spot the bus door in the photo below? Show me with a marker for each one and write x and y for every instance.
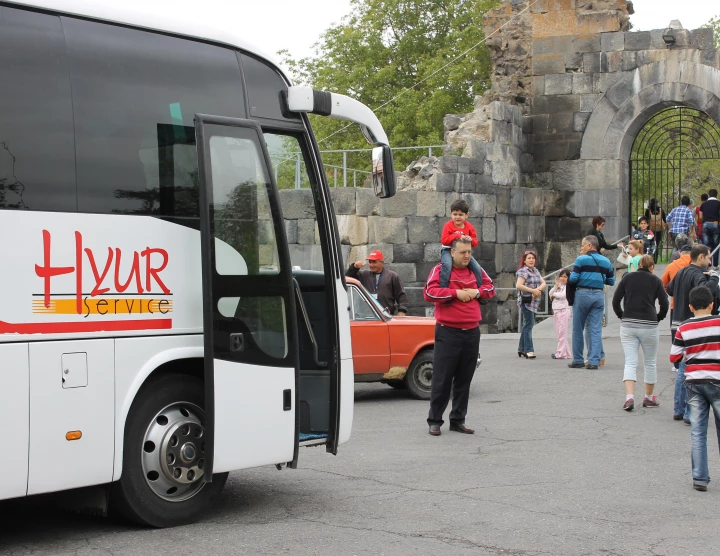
(249, 317)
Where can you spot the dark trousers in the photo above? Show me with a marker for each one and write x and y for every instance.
(454, 362)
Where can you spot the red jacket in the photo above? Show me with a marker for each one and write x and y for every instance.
(450, 233)
(457, 314)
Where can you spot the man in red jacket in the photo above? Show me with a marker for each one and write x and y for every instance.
(457, 336)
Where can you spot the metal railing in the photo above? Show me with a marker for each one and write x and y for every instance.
(546, 313)
(344, 170)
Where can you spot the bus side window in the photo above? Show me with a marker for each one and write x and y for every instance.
(135, 94)
(37, 149)
(265, 87)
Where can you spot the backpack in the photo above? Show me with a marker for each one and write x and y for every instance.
(656, 222)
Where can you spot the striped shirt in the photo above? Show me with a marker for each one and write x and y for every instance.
(681, 219)
(592, 270)
(697, 342)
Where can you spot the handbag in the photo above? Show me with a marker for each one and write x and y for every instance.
(623, 257)
(526, 298)
(570, 293)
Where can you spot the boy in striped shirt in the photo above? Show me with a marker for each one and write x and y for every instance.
(697, 341)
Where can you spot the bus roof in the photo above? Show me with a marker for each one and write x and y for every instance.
(167, 21)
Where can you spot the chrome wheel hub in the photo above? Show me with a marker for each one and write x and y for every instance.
(173, 455)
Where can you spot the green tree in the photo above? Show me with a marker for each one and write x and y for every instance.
(384, 47)
(714, 24)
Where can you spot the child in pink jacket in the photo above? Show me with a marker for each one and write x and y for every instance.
(561, 314)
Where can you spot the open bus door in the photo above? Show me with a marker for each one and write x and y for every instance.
(249, 315)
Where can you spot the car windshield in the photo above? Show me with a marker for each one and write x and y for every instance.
(379, 307)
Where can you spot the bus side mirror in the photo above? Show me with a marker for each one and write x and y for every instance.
(383, 172)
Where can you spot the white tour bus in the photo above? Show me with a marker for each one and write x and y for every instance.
(153, 333)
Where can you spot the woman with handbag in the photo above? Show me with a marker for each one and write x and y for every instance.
(530, 285)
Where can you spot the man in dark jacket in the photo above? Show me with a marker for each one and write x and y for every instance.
(382, 283)
(679, 288)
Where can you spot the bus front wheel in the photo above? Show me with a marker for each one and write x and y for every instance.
(162, 482)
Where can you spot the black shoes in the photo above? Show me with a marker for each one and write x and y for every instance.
(700, 486)
(591, 367)
(522, 354)
(576, 365)
(459, 427)
(435, 430)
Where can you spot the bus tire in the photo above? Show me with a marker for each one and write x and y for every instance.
(419, 375)
(165, 422)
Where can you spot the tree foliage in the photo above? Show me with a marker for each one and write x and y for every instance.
(714, 24)
(385, 47)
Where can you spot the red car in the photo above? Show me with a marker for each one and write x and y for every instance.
(395, 350)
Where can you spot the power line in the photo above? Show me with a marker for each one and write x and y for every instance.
(508, 22)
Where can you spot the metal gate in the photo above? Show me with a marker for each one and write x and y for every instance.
(676, 153)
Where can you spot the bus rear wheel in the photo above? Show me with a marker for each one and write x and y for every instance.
(162, 482)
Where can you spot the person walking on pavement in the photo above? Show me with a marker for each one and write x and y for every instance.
(457, 336)
(382, 283)
(695, 342)
(656, 216)
(530, 285)
(698, 218)
(681, 219)
(637, 292)
(710, 214)
(684, 246)
(688, 278)
(590, 274)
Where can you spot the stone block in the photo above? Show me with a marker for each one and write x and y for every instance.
(563, 229)
(629, 61)
(568, 175)
(506, 172)
(484, 184)
(353, 229)
(477, 165)
(702, 39)
(602, 82)
(366, 202)
(432, 252)
(538, 85)
(500, 132)
(505, 228)
(530, 229)
(387, 230)
(488, 231)
(489, 204)
(416, 295)
(558, 84)
(424, 268)
(556, 104)
(448, 164)
(405, 271)
(306, 231)
(610, 42)
(543, 47)
(589, 102)
(403, 203)
(360, 252)
(611, 61)
(291, 231)
(581, 120)
(408, 252)
(527, 125)
(561, 123)
(442, 182)
(637, 40)
(591, 43)
(533, 201)
(581, 84)
(553, 203)
(623, 90)
(573, 62)
(502, 199)
(526, 163)
(477, 149)
(603, 174)
(297, 203)
(543, 180)
(344, 200)
(517, 200)
(475, 203)
(430, 203)
(591, 62)
(465, 183)
(423, 229)
(464, 165)
(548, 63)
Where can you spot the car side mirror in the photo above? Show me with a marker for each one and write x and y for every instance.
(383, 172)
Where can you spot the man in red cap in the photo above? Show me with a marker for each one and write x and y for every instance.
(383, 284)
(457, 336)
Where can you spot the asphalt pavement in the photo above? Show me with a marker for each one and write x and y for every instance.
(556, 467)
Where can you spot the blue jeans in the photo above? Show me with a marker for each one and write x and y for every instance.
(588, 310)
(701, 397)
(586, 332)
(711, 238)
(680, 406)
(446, 260)
(528, 321)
